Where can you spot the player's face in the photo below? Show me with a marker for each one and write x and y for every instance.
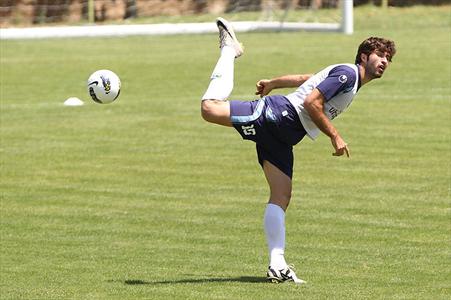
(377, 63)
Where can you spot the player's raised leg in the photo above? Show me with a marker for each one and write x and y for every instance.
(214, 107)
(274, 223)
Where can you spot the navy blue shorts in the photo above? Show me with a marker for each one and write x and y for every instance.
(273, 124)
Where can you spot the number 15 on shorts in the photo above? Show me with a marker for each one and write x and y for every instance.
(248, 130)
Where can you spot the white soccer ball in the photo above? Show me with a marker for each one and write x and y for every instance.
(104, 86)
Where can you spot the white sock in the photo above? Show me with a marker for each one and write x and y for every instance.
(275, 235)
(221, 84)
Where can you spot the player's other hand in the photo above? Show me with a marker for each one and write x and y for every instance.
(264, 87)
(340, 146)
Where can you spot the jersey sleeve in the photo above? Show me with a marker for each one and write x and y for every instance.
(340, 79)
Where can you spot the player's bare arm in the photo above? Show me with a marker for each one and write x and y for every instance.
(265, 86)
(314, 104)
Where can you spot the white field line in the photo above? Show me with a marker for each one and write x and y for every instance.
(155, 29)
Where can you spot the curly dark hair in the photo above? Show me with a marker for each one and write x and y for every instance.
(376, 44)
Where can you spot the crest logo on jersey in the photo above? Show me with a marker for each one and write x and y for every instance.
(342, 78)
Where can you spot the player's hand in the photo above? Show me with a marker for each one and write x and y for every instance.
(264, 87)
(340, 146)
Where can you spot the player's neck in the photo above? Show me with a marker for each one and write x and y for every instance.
(364, 78)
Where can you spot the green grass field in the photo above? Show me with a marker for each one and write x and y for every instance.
(143, 199)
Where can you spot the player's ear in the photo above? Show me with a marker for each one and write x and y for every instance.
(363, 57)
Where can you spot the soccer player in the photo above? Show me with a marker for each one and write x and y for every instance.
(277, 123)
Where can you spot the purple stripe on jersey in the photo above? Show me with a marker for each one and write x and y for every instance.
(341, 79)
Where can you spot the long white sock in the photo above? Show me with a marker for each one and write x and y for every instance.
(275, 235)
(221, 84)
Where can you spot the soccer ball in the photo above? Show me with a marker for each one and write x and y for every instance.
(104, 86)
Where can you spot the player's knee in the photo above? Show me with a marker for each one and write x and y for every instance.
(208, 110)
(286, 199)
(216, 111)
(281, 199)
(284, 194)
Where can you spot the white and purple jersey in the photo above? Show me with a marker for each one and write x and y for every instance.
(338, 84)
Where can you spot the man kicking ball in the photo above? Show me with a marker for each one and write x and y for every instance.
(276, 123)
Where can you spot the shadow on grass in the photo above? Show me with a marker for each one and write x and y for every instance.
(244, 279)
